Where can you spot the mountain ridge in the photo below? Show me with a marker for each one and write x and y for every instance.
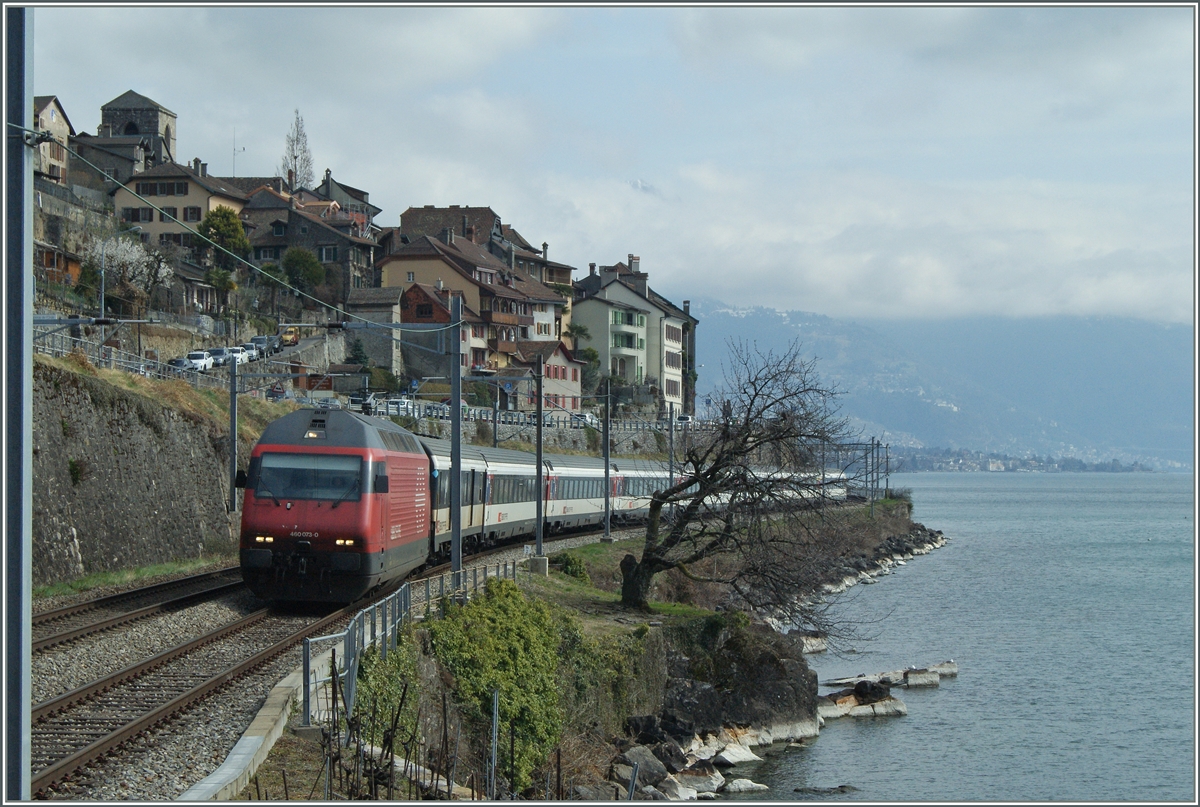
(1092, 388)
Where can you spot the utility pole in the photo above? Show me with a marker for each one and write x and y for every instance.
(540, 484)
(671, 451)
(232, 433)
(18, 398)
(496, 416)
(456, 440)
(607, 463)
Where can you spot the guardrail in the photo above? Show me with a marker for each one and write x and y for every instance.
(439, 411)
(380, 624)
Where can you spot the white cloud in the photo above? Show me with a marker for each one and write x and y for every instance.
(854, 161)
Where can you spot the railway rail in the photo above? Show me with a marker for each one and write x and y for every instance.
(84, 725)
(71, 622)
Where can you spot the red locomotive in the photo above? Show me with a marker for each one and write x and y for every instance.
(336, 504)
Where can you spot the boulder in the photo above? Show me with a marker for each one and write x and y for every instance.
(734, 754)
(605, 791)
(652, 793)
(645, 729)
(744, 786)
(650, 770)
(947, 669)
(670, 755)
(888, 707)
(870, 692)
(706, 796)
(702, 777)
(921, 678)
(674, 791)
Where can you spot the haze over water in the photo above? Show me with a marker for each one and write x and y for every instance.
(1067, 601)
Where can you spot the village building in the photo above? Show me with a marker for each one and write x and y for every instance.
(642, 338)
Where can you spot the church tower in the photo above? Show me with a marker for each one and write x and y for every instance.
(133, 114)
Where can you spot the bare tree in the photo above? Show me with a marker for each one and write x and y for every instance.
(749, 494)
(297, 157)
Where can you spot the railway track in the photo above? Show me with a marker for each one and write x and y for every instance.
(82, 619)
(84, 725)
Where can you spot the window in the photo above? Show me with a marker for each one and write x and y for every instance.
(328, 254)
(674, 360)
(110, 173)
(168, 214)
(671, 387)
(425, 310)
(673, 334)
(308, 476)
(304, 229)
(412, 276)
(575, 375)
(57, 152)
(278, 230)
(191, 214)
(147, 189)
(266, 253)
(136, 214)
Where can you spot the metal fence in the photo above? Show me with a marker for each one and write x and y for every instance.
(380, 624)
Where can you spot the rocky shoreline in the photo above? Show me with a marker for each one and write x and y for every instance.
(691, 748)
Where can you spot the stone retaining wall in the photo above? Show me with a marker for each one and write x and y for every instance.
(122, 481)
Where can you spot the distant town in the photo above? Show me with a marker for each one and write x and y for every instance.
(941, 459)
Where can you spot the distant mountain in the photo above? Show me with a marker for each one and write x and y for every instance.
(1084, 387)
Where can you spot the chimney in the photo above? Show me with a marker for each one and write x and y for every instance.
(450, 236)
(203, 169)
(545, 251)
(291, 180)
(196, 164)
(634, 263)
(591, 268)
(439, 284)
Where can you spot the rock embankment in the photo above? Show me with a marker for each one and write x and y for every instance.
(121, 480)
(893, 551)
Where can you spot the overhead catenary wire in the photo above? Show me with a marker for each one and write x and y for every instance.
(40, 136)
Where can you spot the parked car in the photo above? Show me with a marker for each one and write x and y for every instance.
(201, 360)
(252, 351)
(290, 336)
(179, 366)
(585, 419)
(238, 354)
(263, 343)
(220, 356)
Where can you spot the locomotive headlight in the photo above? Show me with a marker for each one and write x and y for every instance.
(259, 539)
(340, 542)
(344, 542)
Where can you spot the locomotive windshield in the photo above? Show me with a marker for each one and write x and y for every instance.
(308, 476)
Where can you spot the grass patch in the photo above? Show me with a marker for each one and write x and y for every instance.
(142, 574)
(206, 405)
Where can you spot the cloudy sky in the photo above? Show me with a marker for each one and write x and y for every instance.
(854, 162)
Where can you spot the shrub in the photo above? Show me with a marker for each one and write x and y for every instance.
(572, 565)
(503, 641)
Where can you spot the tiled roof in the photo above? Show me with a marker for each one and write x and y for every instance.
(442, 298)
(212, 184)
(132, 100)
(250, 184)
(430, 220)
(531, 349)
(388, 295)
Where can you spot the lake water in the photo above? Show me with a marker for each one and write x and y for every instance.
(1067, 601)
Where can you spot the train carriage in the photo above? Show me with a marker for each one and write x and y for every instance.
(575, 492)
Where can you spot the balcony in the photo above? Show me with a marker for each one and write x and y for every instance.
(504, 318)
(502, 346)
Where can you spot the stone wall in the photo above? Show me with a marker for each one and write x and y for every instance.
(121, 481)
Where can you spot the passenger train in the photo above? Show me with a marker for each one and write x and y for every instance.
(338, 503)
